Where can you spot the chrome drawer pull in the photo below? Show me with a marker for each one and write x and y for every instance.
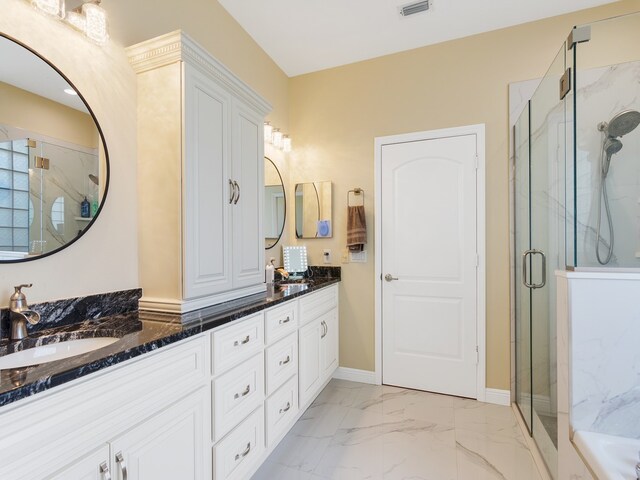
(245, 453)
(243, 342)
(325, 329)
(104, 471)
(285, 361)
(286, 320)
(286, 409)
(243, 394)
(123, 466)
(235, 184)
(232, 191)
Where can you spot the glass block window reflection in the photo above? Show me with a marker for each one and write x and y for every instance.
(14, 196)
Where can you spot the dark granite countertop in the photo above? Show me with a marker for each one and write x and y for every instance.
(139, 332)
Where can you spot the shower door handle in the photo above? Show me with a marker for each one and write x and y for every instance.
(525, 255)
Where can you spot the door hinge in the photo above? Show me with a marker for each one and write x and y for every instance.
(477, 355)
(477, 161)
(477, 260)
(565, 83)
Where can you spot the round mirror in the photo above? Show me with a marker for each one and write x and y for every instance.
(54, 168)
(275, 204)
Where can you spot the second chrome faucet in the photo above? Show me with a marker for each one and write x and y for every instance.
(21, 313)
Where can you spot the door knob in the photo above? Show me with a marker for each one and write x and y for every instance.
(388, 277)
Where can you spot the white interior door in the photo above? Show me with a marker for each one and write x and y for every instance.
(429, 258)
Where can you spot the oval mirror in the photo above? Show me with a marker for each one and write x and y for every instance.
(54, 168)
(275, 204)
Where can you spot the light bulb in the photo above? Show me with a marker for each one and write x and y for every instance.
(277, 138)
(77, 20)
(52, 7)
(286, 143)
(268, 131)
(96, 18)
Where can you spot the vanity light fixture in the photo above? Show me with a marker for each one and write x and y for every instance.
(277, 138)
(286, 143)
(52, 7)
(90, 19)
(268, 131)
(96, 18)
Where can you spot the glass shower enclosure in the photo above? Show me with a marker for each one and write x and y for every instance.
(576, 197)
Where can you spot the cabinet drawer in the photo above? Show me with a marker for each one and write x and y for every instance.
(282, 362)
(234, 344)
(282, 408)
(236, 455)
(236, 394)
(280, 321)
(315, 304)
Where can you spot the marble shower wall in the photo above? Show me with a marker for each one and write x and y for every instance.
(604, 355)
(67, 178)
(601, 94)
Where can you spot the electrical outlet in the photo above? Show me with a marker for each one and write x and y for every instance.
(326, 255)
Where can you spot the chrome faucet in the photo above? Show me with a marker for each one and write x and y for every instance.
(21, 314)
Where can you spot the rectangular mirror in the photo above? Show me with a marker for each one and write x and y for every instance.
(313, 210)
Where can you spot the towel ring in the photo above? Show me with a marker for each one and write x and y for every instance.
(356, 192)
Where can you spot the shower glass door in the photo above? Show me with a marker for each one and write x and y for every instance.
(522, 293)
(540, 198)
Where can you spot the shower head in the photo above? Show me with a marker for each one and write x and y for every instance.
(622, 123)
(611, 146)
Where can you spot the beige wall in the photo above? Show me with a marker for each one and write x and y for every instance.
(337, 113)
(37, 114)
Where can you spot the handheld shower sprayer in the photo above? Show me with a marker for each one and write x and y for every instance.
(620, 125)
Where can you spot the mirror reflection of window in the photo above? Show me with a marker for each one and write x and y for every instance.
(57, 214)
(14, 196)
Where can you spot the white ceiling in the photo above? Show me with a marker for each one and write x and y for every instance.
(304, 36)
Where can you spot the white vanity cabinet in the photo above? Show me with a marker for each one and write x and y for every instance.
(318, 340)
(212, 406)
(201, 170)
(147, 417)
(171, 444)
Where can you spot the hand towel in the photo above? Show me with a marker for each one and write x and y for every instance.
(356, 228)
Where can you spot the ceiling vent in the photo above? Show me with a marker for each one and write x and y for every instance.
(413, 8)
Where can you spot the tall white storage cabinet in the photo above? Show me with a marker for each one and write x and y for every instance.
(200, 171)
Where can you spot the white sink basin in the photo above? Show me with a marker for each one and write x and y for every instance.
(54, 351)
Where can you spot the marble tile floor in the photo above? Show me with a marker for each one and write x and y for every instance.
(360, 431)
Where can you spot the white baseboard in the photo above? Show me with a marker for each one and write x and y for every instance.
(355, 375)
(497, 397)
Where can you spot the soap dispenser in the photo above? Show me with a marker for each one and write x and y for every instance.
(85, 208)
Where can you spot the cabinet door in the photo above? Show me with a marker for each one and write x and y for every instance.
(172, 444)
(206, 186)
(329, 343)
(94, 466)
(309, 356)
(248, 172)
